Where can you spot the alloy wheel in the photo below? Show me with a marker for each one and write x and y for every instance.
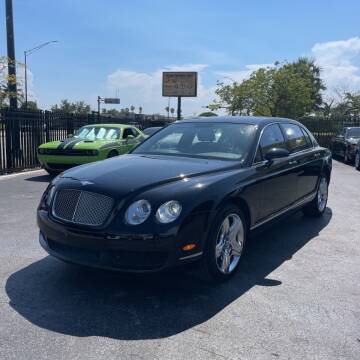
(357, 161)
(322, 194)
(229, 243)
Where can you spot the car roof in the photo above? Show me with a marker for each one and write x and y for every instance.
(109, 125)
(251, 120)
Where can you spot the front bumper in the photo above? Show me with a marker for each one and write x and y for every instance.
(126, 252)
(63, 162)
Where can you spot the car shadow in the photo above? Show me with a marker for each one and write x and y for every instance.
(84, 302)
(40, 178)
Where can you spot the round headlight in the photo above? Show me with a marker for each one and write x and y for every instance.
(138, 212)
(168, 211)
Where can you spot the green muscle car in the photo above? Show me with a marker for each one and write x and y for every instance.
(89, 143)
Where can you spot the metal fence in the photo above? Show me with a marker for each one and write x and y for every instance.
(325, 128)
(21, 132)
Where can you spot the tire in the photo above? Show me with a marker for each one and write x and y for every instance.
(357, 161)
(219, 261)
(317, 207)
(112, 153)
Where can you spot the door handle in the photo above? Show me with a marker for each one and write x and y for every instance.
(293, 162)
(317, 155)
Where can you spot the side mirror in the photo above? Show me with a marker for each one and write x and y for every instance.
(129, 137)
(276, 153)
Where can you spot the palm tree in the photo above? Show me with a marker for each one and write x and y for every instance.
(140, 109)
(132, 108)
(167, 109)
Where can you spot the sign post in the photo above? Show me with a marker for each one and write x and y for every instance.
(179, 84)
(106, 101)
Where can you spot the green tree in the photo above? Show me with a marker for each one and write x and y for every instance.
(349, 105)
(111, 112)
(132, 108)
(287, 90)
(172, 110)
(208, 114)
(31, 105)
(77, 107)
(140, 109)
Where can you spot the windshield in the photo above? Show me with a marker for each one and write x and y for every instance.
(354, 132)
(205, 140)
(97, 133)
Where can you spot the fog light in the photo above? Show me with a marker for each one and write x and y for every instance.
(189, 247)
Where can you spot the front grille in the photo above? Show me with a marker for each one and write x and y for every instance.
(70, 152)
(82, 207)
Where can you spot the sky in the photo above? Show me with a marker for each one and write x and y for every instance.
(121, 47)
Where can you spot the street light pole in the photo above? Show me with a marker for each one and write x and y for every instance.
(25, 80)
(29, 52)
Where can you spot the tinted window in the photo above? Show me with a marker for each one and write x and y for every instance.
(354, 132)
(207, 140)
(295, 138)
(130, 131)
(307, 136)
(270, 138)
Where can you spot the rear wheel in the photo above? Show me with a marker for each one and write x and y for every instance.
(317, 207)
(357, 161)
(226, 243)
(112, 153)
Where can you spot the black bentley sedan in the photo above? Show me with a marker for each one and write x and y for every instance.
(191, 192)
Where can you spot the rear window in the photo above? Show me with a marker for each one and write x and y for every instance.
(295, 138)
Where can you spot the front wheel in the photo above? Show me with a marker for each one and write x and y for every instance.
(357, 161)
(226, 243)
(112, 153)
(317, 207)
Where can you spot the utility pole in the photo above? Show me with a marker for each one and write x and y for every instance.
(179, 108)
(12, 89)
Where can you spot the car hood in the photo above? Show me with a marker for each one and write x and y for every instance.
(353, 140)
(134, 172)
(73, 143)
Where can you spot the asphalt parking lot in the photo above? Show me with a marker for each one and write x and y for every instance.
(296, 296)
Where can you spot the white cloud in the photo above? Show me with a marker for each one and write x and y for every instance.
(240, 75)
(339, 64)
(144, 89)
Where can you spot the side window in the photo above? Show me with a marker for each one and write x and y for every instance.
(307, 137)
(127, 132)
(295, 138)
(270, 138)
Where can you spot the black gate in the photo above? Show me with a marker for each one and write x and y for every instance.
(21, 132)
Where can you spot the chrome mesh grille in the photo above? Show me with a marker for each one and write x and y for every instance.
(82, 207)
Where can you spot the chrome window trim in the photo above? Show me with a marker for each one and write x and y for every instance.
(291, 153)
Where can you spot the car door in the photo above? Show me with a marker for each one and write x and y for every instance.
(278, 186)
(306, 157)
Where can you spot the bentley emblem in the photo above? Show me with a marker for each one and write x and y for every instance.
(85, 182)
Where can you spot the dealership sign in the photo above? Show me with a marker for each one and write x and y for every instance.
(112, 101)
(179, 84)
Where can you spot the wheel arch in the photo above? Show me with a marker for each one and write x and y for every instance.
(241, 203)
